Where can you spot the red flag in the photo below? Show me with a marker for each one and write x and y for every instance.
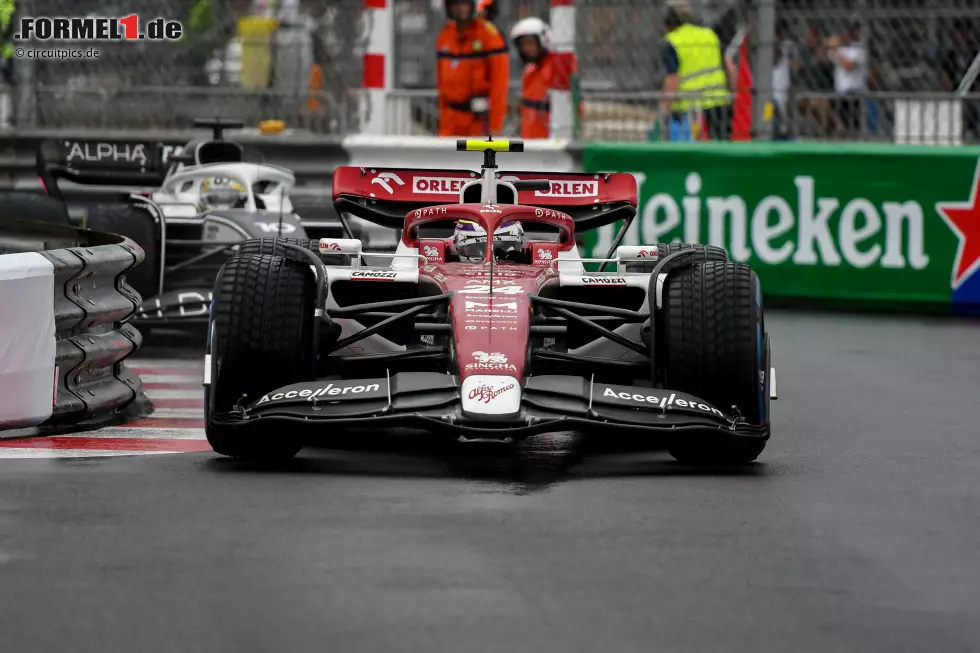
(742, 109)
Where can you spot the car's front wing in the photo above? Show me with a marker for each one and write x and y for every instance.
(436, 403)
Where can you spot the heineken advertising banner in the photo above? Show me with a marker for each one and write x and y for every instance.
(851, 223)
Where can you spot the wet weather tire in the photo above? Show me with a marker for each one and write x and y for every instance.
(262, 335)
(714, 340)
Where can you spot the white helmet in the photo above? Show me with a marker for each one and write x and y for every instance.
(532, 27)
(470, 240)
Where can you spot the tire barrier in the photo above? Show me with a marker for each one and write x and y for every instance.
(65, 343)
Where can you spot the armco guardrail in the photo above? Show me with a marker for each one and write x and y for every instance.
(866, 225)
(66, 339)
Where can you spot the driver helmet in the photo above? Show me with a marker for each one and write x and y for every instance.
(470, 240)
(222, 193)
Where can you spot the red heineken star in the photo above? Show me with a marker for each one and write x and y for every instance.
(964, 219)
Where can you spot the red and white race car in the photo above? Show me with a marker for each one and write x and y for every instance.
(308, 339)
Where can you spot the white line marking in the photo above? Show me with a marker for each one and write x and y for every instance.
(145, 433)
(189, 379)
(176, 394)
(73, 453)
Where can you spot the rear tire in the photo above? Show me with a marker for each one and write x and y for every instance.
(262, 336)
(33, 207)
(139, 226)
(714, 349)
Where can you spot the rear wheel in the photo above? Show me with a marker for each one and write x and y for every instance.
(139, 226)
(33, 207)
(713, 337)
(262, 335)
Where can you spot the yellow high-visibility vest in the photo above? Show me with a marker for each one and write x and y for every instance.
(7, 9)
(701, 68)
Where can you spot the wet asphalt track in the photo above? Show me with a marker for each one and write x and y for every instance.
(860, 531)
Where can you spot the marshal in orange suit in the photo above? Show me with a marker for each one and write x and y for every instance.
(542, 72)
(472, 73)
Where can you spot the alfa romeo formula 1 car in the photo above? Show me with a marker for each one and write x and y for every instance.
(205, 201)
(671, 344)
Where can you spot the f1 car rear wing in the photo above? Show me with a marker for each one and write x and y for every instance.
(111, 162)
(107, 163)
(385, 195)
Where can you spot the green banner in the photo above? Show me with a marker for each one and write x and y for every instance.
(881, 223)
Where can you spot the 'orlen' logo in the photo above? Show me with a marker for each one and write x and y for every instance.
(486, 393)
(545, 255)
(571, 189)
(431, 253)
(649, 253)
(385, 179)
(437, 185)
(330, 247)
(603, 281)
(374, 276)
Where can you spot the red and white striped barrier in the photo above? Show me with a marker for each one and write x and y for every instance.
(378, 66)
(563, 47)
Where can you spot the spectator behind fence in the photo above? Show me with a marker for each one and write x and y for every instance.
(815, 75)
(850, 58)
(695, 63)
(472, 73)
(955, 63)
(785, 62)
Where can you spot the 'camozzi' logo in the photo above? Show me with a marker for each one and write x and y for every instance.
(487, 393)
(963, 218)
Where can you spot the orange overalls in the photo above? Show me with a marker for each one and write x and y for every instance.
(539, 77)
(535, 105)
(472, 63)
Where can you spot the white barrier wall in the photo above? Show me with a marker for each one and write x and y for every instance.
(433, 152)
(27, 340)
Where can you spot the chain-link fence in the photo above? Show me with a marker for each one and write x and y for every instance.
(884, 70)
(235, 59)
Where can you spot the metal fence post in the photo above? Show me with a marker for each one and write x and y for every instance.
(763, 37)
